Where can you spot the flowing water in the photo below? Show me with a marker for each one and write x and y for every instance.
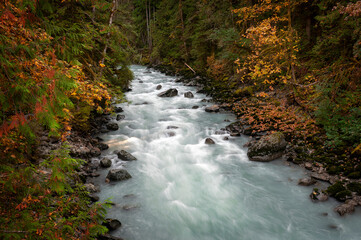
(184, 189)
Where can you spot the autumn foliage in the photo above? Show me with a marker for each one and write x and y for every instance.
(42, 89)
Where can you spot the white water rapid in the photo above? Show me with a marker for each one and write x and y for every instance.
(183, 189)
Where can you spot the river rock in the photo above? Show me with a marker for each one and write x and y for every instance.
(307, 181)
(118, 175)
(112, 126)
(125, 156)
(308, 166)
(235, 128)
(214, 108)
(118, 109)
(159, 87)
(103, 146)
(172, 127)
(108, 237)
(195, 107)
(170, 134)
(91, 188)
(345, 208)
(105, 162)
(94, 198)
(321, 176)
(317, 196)
(169, 93)
(268, 148)
(209, 141)
(188, 95)
(120, 117)
(95, 152)
(112, 224)
(130, 207)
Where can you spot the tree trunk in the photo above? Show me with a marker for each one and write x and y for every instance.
(183, 31)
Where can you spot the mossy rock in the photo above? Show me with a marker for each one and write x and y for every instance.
(342, 195)
(335, 188)
(354, 175)
(244, 92)
(332, 170)
(354, 187)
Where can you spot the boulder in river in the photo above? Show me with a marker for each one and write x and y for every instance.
(307, 181)
(346, 208)
(112, 224)
(125, 156)
(120, 117)
(214, 108)
(318, 196)
(268, 148)
(105, 162)
(169, 93)
(112, 126)
(188, 95)
(209, 141)
(118, 109)
(159, 87)
(118, 175)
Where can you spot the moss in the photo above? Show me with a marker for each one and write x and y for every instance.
(244, 92)
(335, 188)
(81, 117)
(332, 170)
(342, 195)
(354, 175)
(354, 187)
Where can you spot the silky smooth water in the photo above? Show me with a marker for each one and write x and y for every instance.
(184, 189)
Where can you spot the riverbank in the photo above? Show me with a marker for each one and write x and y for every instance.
(263, 113)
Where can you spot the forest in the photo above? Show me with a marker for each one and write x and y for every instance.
(281, 65)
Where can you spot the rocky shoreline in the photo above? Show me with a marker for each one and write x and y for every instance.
(265, 147)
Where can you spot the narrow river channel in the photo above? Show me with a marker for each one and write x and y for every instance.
(183, 189)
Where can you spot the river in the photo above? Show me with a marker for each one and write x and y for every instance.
(183, 189)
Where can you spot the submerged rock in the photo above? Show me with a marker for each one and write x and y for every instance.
(159, 87)
(188, 95)
(112, 126)
(130, 207)
(172, 127)
(214, 108)
(268, 148)
(170, 134)
(125, 156)
(169, 93)
(105, 162)
(118, 175)
(209, 141)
